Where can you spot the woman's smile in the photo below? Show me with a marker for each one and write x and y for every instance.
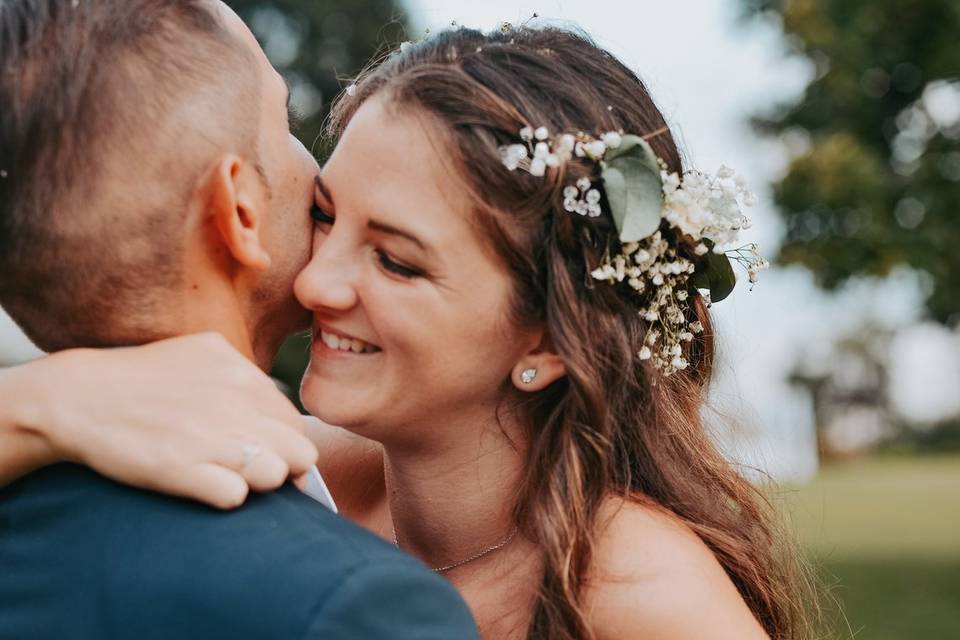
(328, 339)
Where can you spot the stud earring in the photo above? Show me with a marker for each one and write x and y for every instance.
(528, 375)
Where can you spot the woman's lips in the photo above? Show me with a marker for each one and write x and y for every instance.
(340, 342)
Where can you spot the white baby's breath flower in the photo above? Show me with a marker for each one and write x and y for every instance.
(620, 265)
(703, 209)
(512, 155)
(612, 139)
(566, 143)
(671, 182)
(595, 149)
(405, 45)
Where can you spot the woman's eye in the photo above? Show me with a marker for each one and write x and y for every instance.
(396, 267)
(320, 216)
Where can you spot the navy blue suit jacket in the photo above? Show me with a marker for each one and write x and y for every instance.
(84, 558)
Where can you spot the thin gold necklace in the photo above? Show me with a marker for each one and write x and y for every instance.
(476, 556)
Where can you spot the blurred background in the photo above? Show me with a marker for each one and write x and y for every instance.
(839, 373)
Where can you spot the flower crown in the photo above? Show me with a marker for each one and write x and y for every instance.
(640, 194)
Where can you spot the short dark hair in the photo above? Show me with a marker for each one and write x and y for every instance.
(99, 99)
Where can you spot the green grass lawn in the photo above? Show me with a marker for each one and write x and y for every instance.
(884, 534)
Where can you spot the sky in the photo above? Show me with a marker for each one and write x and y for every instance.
(709, 71)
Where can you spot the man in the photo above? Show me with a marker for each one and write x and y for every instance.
(149, 187)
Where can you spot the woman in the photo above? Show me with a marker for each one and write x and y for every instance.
(523, 356)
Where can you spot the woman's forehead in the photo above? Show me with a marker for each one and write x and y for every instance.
(396, 157)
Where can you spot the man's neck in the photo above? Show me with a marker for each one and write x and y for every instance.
(217, 309)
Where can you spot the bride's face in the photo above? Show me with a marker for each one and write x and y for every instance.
(410, 306)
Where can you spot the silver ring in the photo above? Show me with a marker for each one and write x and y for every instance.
(249, 452)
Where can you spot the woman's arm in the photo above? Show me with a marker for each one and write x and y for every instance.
(188, 416)
(22, 448)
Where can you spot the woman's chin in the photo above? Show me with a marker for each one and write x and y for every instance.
(324, 400)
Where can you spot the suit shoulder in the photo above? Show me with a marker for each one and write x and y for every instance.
(280, 541)
(281, 566)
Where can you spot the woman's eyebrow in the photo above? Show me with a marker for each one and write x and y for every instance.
(376, 225)
(383, 227)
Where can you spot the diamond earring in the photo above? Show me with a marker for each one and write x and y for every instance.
(528, 375)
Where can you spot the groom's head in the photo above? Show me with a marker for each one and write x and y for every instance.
(149, 184)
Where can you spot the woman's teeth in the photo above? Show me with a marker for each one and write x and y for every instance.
(342, 343)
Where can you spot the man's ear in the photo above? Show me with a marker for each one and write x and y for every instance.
(539, 367)
(236, 201)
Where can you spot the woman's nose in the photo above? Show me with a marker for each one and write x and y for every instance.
(328, 280)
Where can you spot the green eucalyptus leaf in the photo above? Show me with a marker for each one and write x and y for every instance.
(716, 274)
(634, 147)
(635, 194)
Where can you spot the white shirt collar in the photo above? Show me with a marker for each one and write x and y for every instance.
(317, 489)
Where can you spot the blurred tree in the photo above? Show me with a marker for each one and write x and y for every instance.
(318, 45)
(875, 178)
(849, 390)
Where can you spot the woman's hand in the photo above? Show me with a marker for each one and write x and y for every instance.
(188, 416)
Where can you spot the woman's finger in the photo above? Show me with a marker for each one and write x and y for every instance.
(206, 482)
(262, 468)
(292, 445)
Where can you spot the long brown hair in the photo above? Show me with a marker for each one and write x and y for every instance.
(613, 425)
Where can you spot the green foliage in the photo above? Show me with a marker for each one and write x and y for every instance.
(716, 274)
(318, 45)
(882, 533)
(879, 185)
(631, 180)
(893, 598)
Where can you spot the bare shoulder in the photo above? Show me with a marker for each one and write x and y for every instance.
(351, 465)
(651, 573)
